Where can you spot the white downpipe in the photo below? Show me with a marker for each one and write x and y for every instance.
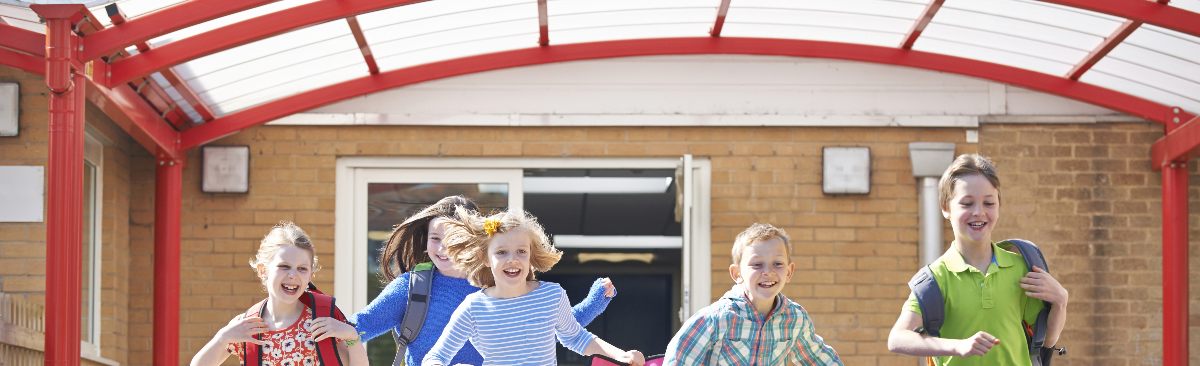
(931, 221)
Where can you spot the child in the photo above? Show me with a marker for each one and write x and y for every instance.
(514, 319)
(419, 240)
(986, 288)
(753, 323)
(290, 333)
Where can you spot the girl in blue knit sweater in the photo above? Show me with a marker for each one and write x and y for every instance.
(419, 239)
(515, 319)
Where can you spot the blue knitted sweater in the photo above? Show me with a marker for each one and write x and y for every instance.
(386, 312)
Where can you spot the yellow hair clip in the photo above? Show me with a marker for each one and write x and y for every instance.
(490, 226)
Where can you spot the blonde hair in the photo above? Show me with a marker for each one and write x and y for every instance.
(759, 232)
(466, 241)
(285, 233)
(965, 165)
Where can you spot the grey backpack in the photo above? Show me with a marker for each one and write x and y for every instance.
(933, 307)
(420, 282)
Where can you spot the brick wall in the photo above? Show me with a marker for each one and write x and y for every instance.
(22, 245)
(1084, 192)
(1087, 194)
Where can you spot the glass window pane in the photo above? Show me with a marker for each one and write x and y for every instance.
(873, 22)
(225, 20)
(580, 21)
(87, 322)
(1189, 5)
(388, 204)
(440, 30)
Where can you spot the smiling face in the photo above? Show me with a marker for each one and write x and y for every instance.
(287, 274)
(763, 271)
(508, 256)
(973, 210)
(437, 251)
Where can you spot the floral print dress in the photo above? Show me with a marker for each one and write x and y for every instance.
(291, 346)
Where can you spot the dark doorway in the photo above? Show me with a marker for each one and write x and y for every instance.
(641, 315)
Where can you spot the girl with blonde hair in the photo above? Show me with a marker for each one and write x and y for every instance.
(515, 319)
(295, 324)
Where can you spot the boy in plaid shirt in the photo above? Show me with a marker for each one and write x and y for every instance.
(753, 323)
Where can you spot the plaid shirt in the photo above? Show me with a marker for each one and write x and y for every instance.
(729, 332)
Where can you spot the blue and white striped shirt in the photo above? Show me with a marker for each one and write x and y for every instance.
(514, 331)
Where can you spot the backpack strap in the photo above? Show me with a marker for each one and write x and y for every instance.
(1037, 336)
(420, 284)
(252, 353)
(322, 305)
(929, 297)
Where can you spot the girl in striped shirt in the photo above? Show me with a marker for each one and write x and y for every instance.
(515, 319)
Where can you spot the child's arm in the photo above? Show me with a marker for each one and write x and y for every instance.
(810, 347)
(694, 342)
(240, 329)
(386, 311)
(599, 296)
(457, 332)
(599, 346)
(1040, 285)
(326, 327)
(904, 340)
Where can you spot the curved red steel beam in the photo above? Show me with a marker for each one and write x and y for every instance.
(159, 22)
(241, 33)
(1051, 84)
(1149, 12)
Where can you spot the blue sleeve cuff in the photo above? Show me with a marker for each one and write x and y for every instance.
(593, 305)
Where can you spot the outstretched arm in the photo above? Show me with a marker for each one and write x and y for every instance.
(904, 340)
(599, 347)
(599, 296)
(385, 312)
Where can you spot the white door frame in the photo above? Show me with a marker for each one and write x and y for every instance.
(354, 172)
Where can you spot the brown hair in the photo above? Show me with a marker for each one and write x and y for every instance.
(467, 240)
(406, 246)
(965, 165)
(285, 233)
(756, 233)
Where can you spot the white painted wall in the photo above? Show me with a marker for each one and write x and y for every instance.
(705, 90)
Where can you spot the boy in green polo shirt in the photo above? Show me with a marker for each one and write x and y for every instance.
(986, 289)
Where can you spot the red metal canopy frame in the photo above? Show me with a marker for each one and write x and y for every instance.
(73, 62)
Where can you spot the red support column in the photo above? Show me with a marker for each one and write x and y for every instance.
(1175, 263)
(168, 198)
(64, 196)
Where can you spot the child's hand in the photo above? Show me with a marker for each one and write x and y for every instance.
(1040, 285)
(609, 289)
(242, 329)
(977, 345)
(632, 357)
(326, 327)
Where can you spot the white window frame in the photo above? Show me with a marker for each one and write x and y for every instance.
(94, 154)
(352, 170)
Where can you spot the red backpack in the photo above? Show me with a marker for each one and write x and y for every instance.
(319, 305)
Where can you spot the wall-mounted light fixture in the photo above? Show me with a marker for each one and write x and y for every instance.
(847, 170)
(226, 169)
(10, 101)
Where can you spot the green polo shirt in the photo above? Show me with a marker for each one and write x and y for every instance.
(993, 302)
